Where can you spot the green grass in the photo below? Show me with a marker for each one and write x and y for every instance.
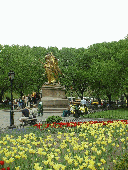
(110, 114)
(5, 107)
(8, 94)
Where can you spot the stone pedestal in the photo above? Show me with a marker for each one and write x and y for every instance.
(54, 99)
(54, 91)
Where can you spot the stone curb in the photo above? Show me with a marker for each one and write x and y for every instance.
(10, 109)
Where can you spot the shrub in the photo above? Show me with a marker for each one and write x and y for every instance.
(53, 118)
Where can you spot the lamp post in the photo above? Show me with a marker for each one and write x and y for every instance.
(11, 75)
(71, 94)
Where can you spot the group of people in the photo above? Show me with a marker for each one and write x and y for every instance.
(27, 100)
(76, 109)
(31, 113)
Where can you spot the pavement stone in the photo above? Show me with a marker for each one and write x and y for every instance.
(5, 118)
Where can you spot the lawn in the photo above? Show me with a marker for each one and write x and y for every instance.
(110, 114)
(89, 145)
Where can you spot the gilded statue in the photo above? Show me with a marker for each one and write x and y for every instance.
(52, 69)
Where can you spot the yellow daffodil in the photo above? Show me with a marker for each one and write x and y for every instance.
(99, 152)
(117, 145)
(103, 161)
(99, 164)
(122, 140)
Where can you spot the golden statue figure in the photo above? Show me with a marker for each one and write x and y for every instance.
(51, 68)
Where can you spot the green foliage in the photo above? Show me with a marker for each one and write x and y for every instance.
(24, 61)
(5, 107)
(53, 118)
(102, 67)
(75, 65)
(122, 162)
(106, 69)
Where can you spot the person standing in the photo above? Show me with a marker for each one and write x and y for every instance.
(35, 101)
(77, 114)
(23, 102)
(29, 100)
(34, 98)
(37, 98)
(90, 102)
(83, 102)
(26, 101)
(20, 103)
(40, 109)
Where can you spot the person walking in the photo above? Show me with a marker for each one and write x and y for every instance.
(26, 101)
(40, 109)
(29, 100)
(33, 97)
(20, 103)
(23, 102)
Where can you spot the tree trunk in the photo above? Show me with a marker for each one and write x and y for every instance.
(126, 99)
(109, 97)
(1, 95)
(99, 100)
(38, 89)
(21, 94)
(82, 94)
(1, 98)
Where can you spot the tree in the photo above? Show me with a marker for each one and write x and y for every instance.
(98, 67)
(122, 59)
(39, 76)
(5, 67)
(28, 70)
(106, 70)
(105, 78)
(75, 64)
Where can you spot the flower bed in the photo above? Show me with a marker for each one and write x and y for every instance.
(75, 145)
(74, 124)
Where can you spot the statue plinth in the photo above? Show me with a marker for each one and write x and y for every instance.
(53, 98)
(53, 91)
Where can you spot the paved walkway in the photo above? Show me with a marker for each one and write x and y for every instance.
(5, 118)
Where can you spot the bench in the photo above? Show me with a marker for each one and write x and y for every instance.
(31, 121)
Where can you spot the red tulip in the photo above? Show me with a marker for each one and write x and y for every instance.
(1, 162)
(74, 124)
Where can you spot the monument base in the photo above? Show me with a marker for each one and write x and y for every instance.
(54, 99)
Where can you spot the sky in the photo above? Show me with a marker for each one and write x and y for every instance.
(62, 23)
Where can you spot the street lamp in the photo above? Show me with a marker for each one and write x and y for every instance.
(11, 75)
(71, 94)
